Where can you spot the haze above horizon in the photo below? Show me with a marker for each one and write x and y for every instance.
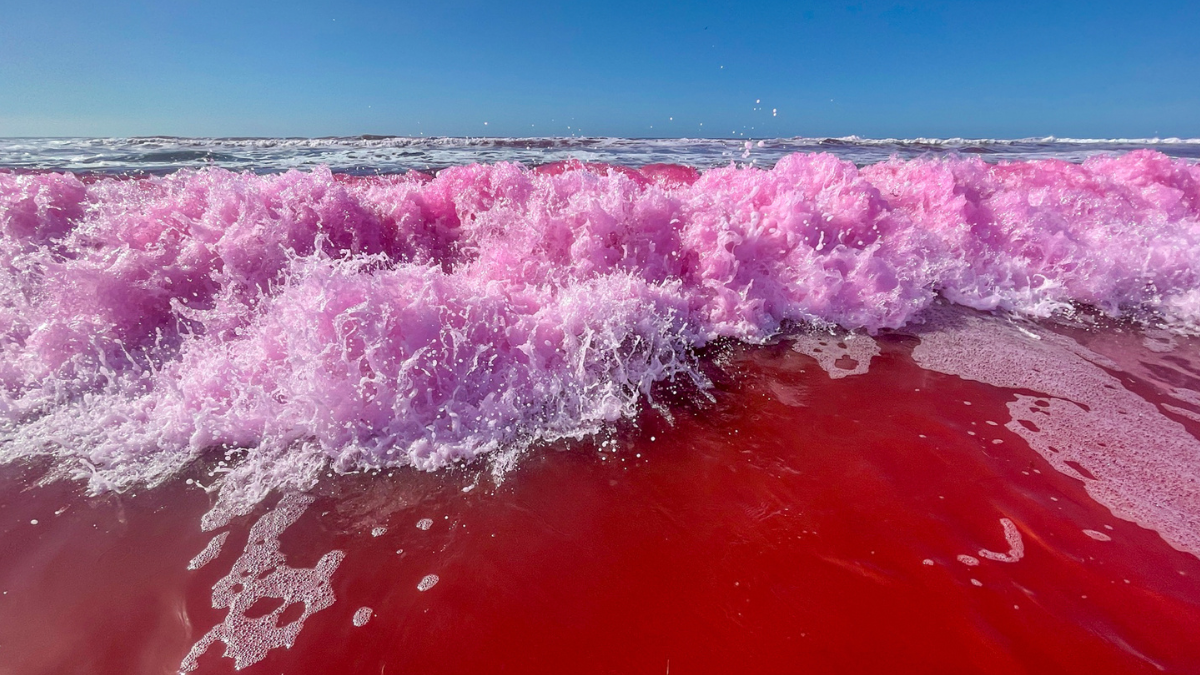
(645, 70)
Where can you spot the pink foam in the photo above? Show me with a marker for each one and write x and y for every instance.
(670, 175)
(416, 320)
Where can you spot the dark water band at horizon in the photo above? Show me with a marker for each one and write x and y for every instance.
(372, 155)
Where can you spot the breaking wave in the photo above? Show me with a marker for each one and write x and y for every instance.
(305, 319)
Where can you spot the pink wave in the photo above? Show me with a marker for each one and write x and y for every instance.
(422, 320)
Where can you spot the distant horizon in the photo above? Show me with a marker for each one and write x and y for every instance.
(849, 137)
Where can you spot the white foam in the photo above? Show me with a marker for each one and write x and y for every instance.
(1131, 458)
(1182, 412)
(1159, 341)
(362, 615)
(1016, 547)
(839, 354)
(210, 552)
(262, 573)
(428, 582)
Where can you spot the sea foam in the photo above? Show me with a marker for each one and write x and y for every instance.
(310, 318)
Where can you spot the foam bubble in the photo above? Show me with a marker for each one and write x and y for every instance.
(362, 615)
(427, 582)
(424, 523)
(1098, 536)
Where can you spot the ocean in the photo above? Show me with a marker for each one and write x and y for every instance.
(599, 405)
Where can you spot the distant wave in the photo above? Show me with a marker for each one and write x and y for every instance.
(1051, 140)
(589, 141)
(370, 155)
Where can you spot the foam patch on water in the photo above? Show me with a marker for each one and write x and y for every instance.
(260, 577)
(1016, 546)
(1182, 412)
(1142, 465)
(312, 320)
(839, 355)
(210, 552)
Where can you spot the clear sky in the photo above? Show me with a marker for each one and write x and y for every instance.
(618, 68)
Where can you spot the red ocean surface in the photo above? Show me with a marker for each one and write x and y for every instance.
(925, 415)
(794, 523)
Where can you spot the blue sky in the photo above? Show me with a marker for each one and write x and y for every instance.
(617, 68)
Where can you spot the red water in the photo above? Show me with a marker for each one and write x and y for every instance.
(781, 529)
